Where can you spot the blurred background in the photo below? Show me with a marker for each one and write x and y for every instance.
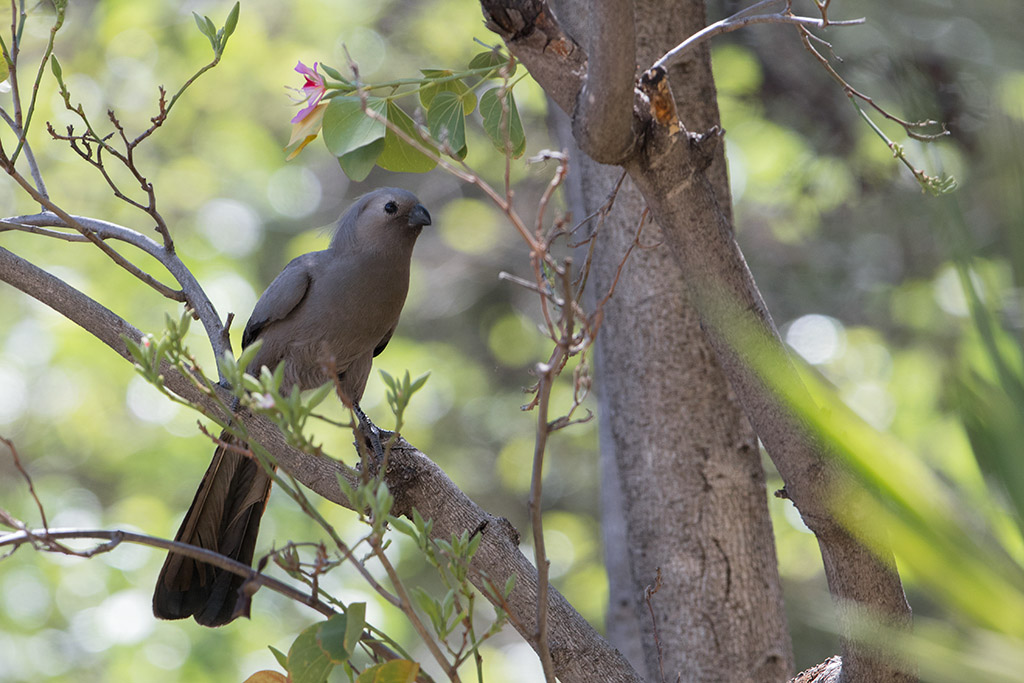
(854, 261)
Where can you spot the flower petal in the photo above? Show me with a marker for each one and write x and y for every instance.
(308, 125)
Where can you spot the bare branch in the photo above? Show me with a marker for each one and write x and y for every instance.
(743, 19)
(46, 539)
(94, 230)
(37, 176)
(28, 479)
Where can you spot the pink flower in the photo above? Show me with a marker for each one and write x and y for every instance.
(311, 92)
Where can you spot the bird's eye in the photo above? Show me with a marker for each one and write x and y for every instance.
(390, 208)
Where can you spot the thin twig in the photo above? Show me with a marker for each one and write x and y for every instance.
(30, 157)
(908, 126)
(537, 523)
(742, 19)
(92, 229)
(28, 479)
(174, 294)
(406, 605)
(649, 592)
(46, 539)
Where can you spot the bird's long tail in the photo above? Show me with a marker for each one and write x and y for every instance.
(225, 518)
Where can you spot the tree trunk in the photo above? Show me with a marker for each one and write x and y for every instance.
(683, 484)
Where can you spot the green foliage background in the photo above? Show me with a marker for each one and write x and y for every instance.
(855, 263)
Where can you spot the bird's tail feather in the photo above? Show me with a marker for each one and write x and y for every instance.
(225, 518)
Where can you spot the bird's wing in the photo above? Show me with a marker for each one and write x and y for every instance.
(281, 297)
(383, 342)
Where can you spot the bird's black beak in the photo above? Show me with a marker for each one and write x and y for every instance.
(419, 216)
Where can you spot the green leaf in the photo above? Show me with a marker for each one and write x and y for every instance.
(278, 376)
(232, 20)
(307, 662)
(347, 491)
(183, 324)
(447, 122)
(395, 671)
(402, 526)
(418, 383)
(331, 638)
(491, 110)
(347, 127)
(204, 28)
(333, 73)
(248, 354)
(358, 163)
(228, 366)
(282, 658)
(58, 73)
(510, 583)
(136, 349)
(455, 85)
(473, 546)
(251, 384)
(491, 58)
(429, 606)
(319, 395)
(399, 155)
(354, 625)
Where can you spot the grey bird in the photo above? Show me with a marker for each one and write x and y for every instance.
(338, 306)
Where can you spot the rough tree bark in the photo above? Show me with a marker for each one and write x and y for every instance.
(671, 172)
(681, 466)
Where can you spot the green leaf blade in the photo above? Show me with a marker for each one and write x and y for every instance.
(232, 21)
(491, 59)
(358, 163)
(354, 625)
(447, 121)
(501, 132)
(400, 155)
(307, 662)
(331, 638)
(347, 127)
(395, 671)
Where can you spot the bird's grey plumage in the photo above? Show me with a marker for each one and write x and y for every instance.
(340, 305)
(335, 308)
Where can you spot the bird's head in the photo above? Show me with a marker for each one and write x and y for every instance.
(386, 219)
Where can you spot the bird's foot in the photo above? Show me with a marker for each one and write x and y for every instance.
(374, 434)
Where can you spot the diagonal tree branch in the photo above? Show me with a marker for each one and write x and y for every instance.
(579, 654)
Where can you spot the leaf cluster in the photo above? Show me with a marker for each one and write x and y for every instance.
(363, 129)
